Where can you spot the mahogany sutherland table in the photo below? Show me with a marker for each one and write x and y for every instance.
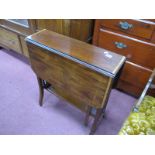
(80, 73)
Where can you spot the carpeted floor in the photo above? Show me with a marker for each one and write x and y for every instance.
(21, 114)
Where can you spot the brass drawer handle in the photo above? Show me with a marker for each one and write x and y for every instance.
(125, 25)
(120, 45)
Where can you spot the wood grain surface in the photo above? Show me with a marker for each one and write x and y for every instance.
(97, 58)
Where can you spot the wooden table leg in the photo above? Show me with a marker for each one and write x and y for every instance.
(41, 91)
(96, 120)
(89, 108)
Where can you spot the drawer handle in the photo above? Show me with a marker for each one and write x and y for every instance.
(120, 45)
(125, 25)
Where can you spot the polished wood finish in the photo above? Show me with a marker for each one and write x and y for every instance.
(136, 51)
(10, 40)
(131, 69)
(41, 91)
(140, 28)
(80, 73)
(56, 25)
(79, 89)
(79, 29)
(153, 37)
(99, 113)
(136, 43)
(99, 58)
(133, 77)
(76, 28)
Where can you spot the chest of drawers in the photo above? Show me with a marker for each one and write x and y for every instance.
(134, 39)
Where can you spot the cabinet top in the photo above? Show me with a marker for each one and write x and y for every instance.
(98, 59)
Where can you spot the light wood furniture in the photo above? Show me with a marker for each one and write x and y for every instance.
(134, 39)
(13, 31)
(10, 39)
(78, 72)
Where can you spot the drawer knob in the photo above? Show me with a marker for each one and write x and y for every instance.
(120, 45)
(125, 25)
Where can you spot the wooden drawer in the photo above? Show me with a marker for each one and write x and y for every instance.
(24, 46)
(140, 28)
(10, 40)
(135, 74)
(133, 78)
(129, 88)
(136, 51)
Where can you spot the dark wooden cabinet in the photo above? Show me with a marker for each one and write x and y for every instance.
(81, 29)
(13, 31)
(134, 39)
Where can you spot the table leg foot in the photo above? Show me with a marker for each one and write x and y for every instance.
(96, 120)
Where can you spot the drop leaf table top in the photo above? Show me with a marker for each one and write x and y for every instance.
(80, 73)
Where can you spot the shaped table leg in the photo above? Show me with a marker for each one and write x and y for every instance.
(99, 113)
(41, 91)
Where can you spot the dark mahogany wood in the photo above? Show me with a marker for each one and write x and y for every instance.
(78, 72)
(76, 28)
(136, 51)
(12, 33)
(99, 58)
(136, 42)
(99, 112)
(140, 28)
(41, 91)
(133, 77)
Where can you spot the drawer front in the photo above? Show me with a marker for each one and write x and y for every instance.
(136, 51)
(133, 78)
(129, 88)
(10, 40)
(135, 74)
(140, 28)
